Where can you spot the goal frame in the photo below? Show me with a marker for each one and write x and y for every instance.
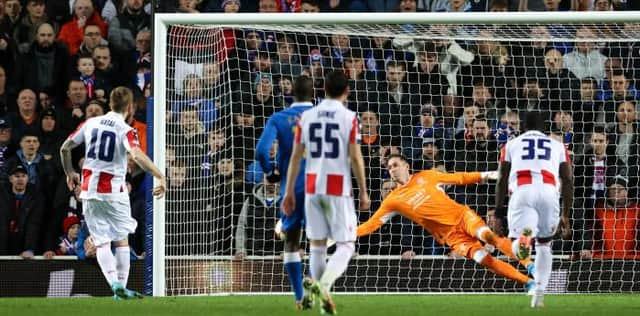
(161, 22)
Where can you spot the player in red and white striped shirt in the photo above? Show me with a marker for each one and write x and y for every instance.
(105, 197)
(537, 168)
(328, 133)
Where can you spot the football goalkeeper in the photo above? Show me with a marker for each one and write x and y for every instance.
(421, 198)
(281, 127)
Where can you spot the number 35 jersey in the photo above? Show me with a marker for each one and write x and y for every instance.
(535, 160)
(107, 140)
(326, 132)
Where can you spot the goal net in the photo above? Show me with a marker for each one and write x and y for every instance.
(447, 96)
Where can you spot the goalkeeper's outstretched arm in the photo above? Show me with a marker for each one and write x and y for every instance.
(379, 218)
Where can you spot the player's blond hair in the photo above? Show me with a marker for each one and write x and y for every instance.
(120, 99)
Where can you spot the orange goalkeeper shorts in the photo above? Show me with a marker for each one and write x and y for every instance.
(462, 238)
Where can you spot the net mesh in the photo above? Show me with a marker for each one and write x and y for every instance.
(447, 96)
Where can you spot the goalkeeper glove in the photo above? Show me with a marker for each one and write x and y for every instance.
(273, 176)
(489, 175)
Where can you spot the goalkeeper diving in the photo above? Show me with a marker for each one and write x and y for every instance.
(421, 198)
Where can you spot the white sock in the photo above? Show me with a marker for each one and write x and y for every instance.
(122, 264)
(337, 264)
(107, 263)
(543, 263)
(318, 261)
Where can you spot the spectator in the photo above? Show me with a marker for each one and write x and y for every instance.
(339, 45)
(40, 170)
(188, 138)
(287, 58)
(230, 6)
(45, 66)
(430, 126)
(398, 106)
(620, 87)
(26, 119)
(108, 68)
(255, 232)
(59, 12)
(21, 211)
(96, 86)
(450, 58)
(65, 203)
(69, 241)
(226, 188)
(267, 6)
(71, 111)
(479, 153)
(25, 30)
(124, 28)
(96, 108)
(623, 143)
(245, 132)
(13, 11)
(559, 81)
(285, 89)
(532, 97)
(370, 147)
(187, 6)
(616, 225)
(585, 60)
(92, 39)
(7, 149)
(51, 138)
(359, 81)
(72, 31)
(426, 74)
(592, 169)
(193, 97)
(5, 98)
(429, 155)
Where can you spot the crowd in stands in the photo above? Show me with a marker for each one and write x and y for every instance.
(445, 104)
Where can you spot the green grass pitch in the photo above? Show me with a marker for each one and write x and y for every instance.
(368, 305)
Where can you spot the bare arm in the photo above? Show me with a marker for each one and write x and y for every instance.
(145, 162)
(147, 165)
(65, 156)
(566, 175)
(501, 184)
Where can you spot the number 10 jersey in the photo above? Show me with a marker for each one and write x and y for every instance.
(107, 140)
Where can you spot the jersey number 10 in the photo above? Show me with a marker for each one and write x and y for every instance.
(319, 140)
(105, 149)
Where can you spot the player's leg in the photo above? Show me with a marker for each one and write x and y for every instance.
(292, 227)
(462, 241)
(342, 222)
(122, 225)
(480, 230)
(317, 232)
(548, 209)
(523, 222)
(95, 217)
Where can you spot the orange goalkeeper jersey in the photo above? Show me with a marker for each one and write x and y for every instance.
(423, 201)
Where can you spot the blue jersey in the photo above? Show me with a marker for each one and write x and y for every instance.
(281, 126)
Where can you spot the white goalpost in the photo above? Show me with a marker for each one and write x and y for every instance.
(423, 85)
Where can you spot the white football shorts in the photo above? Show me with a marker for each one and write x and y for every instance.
(330, 217)
(108, 220)
(536, 207)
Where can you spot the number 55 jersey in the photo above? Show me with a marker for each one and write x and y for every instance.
(326, 132)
